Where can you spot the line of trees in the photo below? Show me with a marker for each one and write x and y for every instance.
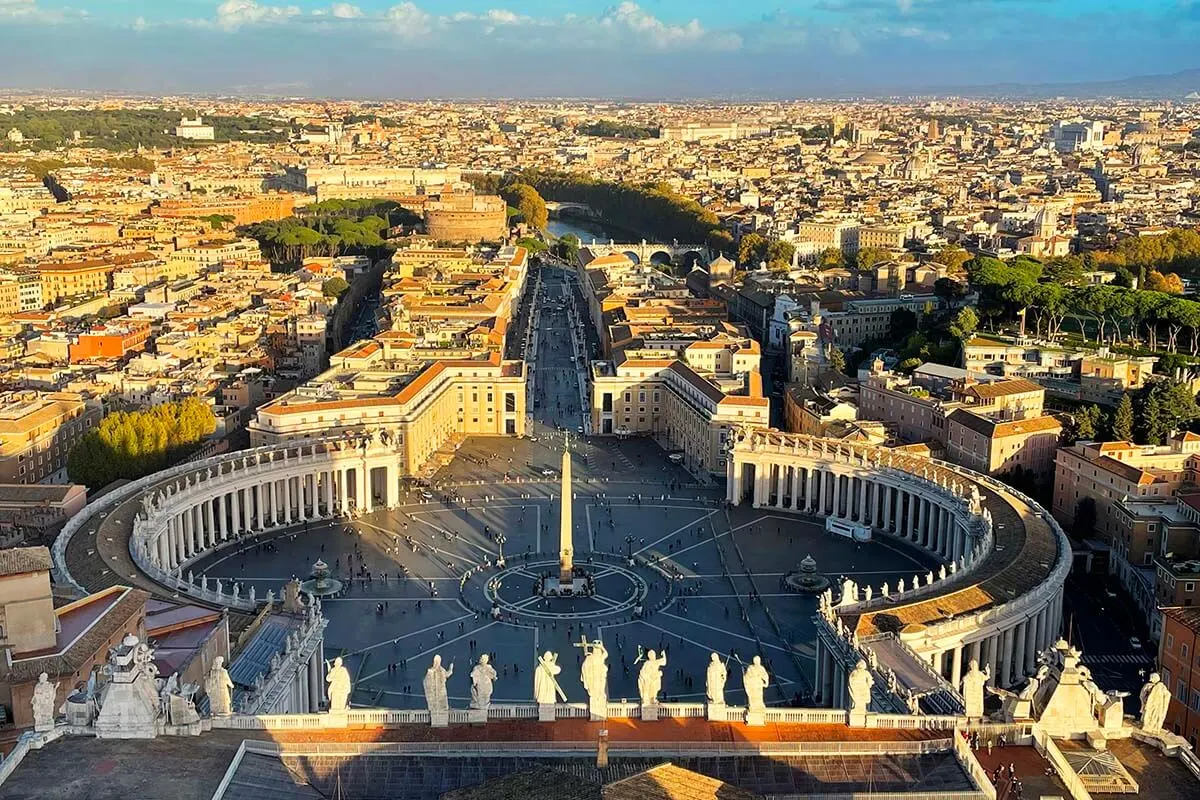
(331, 228)
(1053, 291)
(613, 129)
(125, 129)
(655, 209)
(132, 444)
(1147, 416)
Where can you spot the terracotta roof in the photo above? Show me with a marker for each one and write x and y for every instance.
(1002, 388)
(1188, 617)
(17, 560)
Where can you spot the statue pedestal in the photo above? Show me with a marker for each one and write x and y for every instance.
(650, 713)
(337, 719)
(716, 712)
(440, 719)
(545, 712)
(477, 716)
(756, 718)
(598, 709)
(858, 719)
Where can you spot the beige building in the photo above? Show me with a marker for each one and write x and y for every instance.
(417, 413)
(467, 218)
(1109, 472)
(681, 408)
(996, 447)
(37, 432)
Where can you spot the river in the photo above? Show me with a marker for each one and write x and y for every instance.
(586, 230)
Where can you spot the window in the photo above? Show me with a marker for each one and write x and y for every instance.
(1190, 586)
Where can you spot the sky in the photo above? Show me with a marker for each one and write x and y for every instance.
(655, 49)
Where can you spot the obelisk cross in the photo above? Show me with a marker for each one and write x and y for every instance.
(566, 553)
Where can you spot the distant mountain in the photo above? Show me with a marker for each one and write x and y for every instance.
(1175, 86)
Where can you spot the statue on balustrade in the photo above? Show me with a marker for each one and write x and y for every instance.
(650, 678)
(715, 683)
(1155, 698)
(545, 685)
(219, 688)
(338, 679)
(860, 683)
(43, 703)
(435, 685)
(482, 677)
(755, 681)
(973, 684)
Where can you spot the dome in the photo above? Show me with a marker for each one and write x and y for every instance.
(872, 158)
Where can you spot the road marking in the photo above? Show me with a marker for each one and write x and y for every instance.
(724, 631)
(430, 650)
(392, 639)
(675, 532)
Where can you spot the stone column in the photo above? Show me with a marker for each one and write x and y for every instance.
(316, 495)
(837, 495)
(187, 534)
(314, 690)
(863, 509)
(810, 497)
(956, 667)
(796, 488)
(288, 494)
(779, 470)
(921, 512)
(210, 507)
(261, 502)
(1006, 657)
(819, 680)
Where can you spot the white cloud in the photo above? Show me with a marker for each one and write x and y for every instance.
(233, 14)
(408, 21)
(29, 11)
(140, 24)
(345, 11)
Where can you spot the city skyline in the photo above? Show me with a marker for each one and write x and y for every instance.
(659, 49)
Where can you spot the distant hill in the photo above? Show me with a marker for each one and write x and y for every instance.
(1175, 86)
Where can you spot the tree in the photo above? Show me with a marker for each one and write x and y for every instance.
(1122, 424)
(780, 251)
(902, 323)
(334, 287)
(534, 246)
(1085, 518)
(964, 325)
(831, 258)
(952, 258)
(909, 364)
(837, 359)
(1163, 407)
(1065, 271)
(751, 249)
(1158, 282)
(568, 247)
(870, 256)
(529, 204)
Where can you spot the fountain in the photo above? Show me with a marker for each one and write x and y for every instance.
(321, 582)
(805, 578)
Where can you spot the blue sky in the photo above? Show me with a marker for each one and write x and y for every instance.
(648, 48)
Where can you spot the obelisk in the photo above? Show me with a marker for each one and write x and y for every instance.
(566, 553)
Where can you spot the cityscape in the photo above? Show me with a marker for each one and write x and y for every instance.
(673, 441)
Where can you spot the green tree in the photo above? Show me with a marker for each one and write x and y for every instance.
(751, 249)
(534, 246)
(568, 247)
(837, 359)
(964, 325)
(870, 256)
(334, 287)
(720, 240)
(831, 258)
(779, 251)
(952, 258)
(1122, 423)
(529, 204)
(902, 323)
(1163, 406)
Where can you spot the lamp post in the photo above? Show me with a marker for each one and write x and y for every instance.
(629, 547)
(500, 540)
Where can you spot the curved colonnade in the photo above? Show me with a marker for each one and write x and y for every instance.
(996, 598)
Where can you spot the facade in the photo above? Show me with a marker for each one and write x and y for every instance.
(37, 432)
(1179, 668)
(838, 234)
(996, 447)
(114, 340)
(709, 131)
(676, 405)
(1070, 136)
(244, 210)
(195, 129)
(446, 399)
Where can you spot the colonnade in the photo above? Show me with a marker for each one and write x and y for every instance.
(216, 510)
(867, 498)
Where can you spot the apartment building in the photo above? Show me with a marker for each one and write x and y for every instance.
(1108, 472)
(37, 432)
(681, 408)
(1179, 668)
(824, 235)
(113, 340)
(997, 447)
(418, 412)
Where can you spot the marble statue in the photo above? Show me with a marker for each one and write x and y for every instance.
(849, 592)
(1155, 698)
(884, 590)
(43, 703)
(755, 681)
(860, 683)
(593, 673)
(483, 675)
(435, 685)
(867, 594)
(219, 688)
(716, 677)
(650, 678)
(972, 689)
(338, 679)
(545, 685)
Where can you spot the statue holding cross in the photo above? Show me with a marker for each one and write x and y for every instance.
(593, 674)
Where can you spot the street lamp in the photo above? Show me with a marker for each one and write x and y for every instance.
(500, 540)
(629, 546)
